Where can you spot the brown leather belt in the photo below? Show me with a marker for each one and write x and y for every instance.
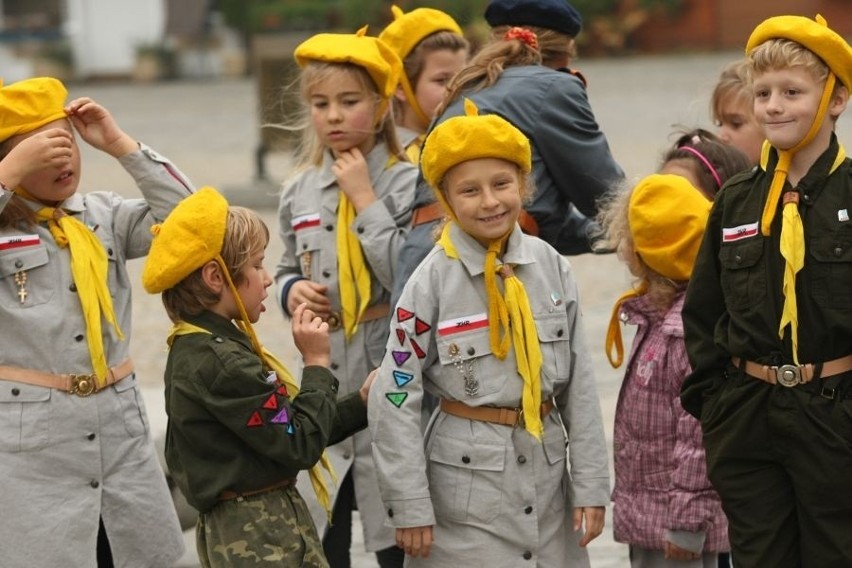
(372, 313)
(81, 385)
(492, 414)
(228, 495)
(792, 375)
(435, 211)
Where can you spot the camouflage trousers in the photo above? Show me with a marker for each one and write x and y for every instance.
(270, 529)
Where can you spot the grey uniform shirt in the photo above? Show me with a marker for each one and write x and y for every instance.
(67, 460)
(308, 227)
(493, 492)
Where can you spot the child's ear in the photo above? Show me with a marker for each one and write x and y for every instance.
(839, 100)
(400, 94)
(211, 275)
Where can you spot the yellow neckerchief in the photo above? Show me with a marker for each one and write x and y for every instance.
(89, 269)
(613, 331)
(412, 151)
(510, 311)
(354, 275)
(272, 362)
(792, 238)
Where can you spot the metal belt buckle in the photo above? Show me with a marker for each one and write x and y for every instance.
(83, 385)
(333, 321)
(788, 375)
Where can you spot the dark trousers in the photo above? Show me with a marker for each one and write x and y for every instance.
(780, 459)
(338, 537)
(104, 552)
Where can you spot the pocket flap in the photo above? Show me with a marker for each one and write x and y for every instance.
(831, 248)
(24, 259)
(462, 453)
(552, 327)
(126, 383)
(555, 447)
(25, 392)
(463, 346)
(734, 257)
(308, 240)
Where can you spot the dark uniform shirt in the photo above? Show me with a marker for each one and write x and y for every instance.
(231, 428)
(734, 300)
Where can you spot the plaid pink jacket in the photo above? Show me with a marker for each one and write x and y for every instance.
(660, 473)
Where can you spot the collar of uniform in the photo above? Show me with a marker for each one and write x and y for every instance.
(74, 204)
(377, 162)
(813, 183)
(219, 326)
(406, 136)
(472, 254)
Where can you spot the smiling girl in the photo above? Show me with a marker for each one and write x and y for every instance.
(342, 220)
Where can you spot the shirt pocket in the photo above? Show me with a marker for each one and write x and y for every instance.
(466, 479)
(24, 417)
(553, 337)
(831, 272)
(131, 406)
(26, 270)
(743, 276)
(466, 357)
(556, 452)
(308, 246)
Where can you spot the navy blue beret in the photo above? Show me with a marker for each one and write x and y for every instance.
(556, 15)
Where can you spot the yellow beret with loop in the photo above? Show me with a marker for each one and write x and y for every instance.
(30, 104)
(410, 28)
(667, 216)
(815, 35)
(380, 61)
(190, 237)
(469, 137)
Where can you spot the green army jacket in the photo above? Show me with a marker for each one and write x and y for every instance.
(232, 426)
(734, 299)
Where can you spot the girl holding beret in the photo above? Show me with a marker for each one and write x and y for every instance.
(342, 219)
(83, 484)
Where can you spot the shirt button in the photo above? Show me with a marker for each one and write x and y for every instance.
(79, 337)
(304, 246)
(806, 197)
(360, 230)
(19, 263)
(738, 259)
(528, 509)
(334, 366)
(527, 555)
(218, 339)
(109, 251)
(16, 391)
(94, 484)
(390, 512)
(560, 333)
(326, 274)
(522, 459)
(329, 227)
(72, 287)
(347, 455)
(838, 251)
(91, 436)
(471, 351)
(465, 459)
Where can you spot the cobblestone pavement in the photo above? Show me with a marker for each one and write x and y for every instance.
(210, 130)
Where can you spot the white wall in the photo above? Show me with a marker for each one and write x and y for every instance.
(104, 33)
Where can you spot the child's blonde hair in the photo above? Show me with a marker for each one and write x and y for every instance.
(733, 85)
(245, 236)
(776, 54)
(310, 150)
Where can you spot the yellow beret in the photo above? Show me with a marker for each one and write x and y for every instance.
(408, 29)
(30, 104)
(380, 61)
(667, 217)
(815, 35)
(469, 137)
(190, 237)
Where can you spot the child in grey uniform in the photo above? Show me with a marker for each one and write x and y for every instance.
(490, 324)
(75, 452)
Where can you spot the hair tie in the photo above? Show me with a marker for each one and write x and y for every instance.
(706, 163)
(523, 35)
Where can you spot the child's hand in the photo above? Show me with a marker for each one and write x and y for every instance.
(415, 541)
(674, 552)
(97, 127)
(593, 519)
(52, 148)
(310, 334)
(311, 293)
(353, 177)
(364, 391)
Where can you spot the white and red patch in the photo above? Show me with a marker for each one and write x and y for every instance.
(746, 231)
(305, 221)
(19, 241)
(465, 323)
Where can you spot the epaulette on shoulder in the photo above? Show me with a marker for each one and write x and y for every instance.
(745, 175)
(576, 74)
